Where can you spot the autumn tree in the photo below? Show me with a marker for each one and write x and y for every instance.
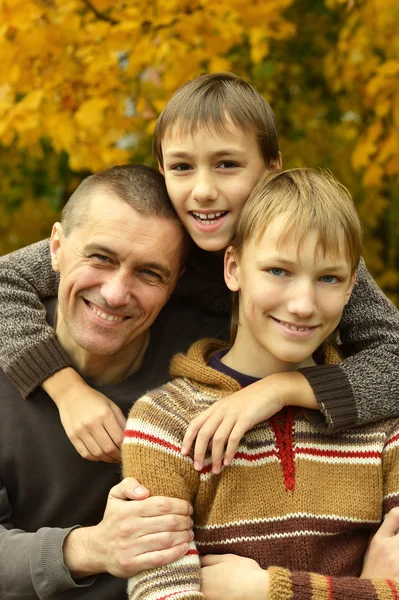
(83, 81)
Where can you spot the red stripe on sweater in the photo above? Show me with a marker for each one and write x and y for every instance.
(393, 439)
(391, 584)
(339, 453)
(139, 435)
(330, 588)
(175, 594)
(191, 552)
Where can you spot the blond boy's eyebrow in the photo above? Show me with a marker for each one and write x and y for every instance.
(291, 263)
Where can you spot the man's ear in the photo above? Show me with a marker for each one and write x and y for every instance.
(57, 237)
(231, 270)
(160, 169)
(351, 286)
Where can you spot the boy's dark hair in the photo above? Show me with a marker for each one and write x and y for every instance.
(210, 101)
(142, 187)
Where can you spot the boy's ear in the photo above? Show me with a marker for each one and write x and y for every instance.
(351, 286)
(276, 163)
(160, 169)
(231, 270)
(56, 240)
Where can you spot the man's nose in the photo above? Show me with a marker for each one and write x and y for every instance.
(116, 290)
(204, 190)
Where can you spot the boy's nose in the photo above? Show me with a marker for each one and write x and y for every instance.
(204, 190)
(302, 302)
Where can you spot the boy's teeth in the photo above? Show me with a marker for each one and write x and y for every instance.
(209, 217)
(294, 328)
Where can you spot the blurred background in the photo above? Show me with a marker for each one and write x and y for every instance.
(83, 81)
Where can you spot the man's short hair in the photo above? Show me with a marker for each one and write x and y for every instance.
(208, 101)
(142, 187)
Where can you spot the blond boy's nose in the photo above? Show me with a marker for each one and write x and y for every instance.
(204, 190)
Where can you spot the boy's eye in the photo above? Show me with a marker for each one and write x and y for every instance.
(329, 279)
(181, 167)
(277, 272)
(227, 164)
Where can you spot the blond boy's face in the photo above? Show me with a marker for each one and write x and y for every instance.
(289, 301)
(209, 177)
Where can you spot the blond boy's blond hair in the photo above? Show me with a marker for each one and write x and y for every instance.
(210, 102)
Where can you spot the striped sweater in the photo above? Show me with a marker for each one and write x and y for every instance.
(299, 502)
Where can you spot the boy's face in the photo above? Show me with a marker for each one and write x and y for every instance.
(209, 177)
(289, 300)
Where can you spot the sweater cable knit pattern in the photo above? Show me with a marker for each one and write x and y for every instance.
(299, 502)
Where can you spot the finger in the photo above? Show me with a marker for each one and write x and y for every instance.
(129, 489)
(85, 449)
(390, 524)
(160, 505)
(120, 417)
(160, 541)
(218, 444)
(97, 441)
(215, 559)
(235, 438)
(164, 523)
(152, 560)
(193, 430)
(204, 436)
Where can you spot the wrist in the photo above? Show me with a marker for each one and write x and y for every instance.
(60, 383)
(263, 584)
(81, 557)
(293, 389)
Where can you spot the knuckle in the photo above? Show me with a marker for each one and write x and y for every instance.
(166, 540)
(164, 505)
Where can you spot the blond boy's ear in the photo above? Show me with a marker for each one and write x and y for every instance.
(350, 289)
(160, 169)
(231, 270)
(56, 240)
(276, 163)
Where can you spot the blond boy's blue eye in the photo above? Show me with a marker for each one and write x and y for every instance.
(181, 167)
(329, 279)
(277, 272)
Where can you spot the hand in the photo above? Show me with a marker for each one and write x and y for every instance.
(132, 536)
(382, 557)
(226, 421)
(94, 424)
(231, 577)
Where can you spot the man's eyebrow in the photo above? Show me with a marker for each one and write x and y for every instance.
(99, 248)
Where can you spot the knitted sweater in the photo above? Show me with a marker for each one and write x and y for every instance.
(348, 394)
(300, 503)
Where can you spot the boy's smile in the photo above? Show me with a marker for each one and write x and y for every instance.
(209, 177)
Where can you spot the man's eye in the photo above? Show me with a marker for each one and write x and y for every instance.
(329, 279)
(151, 274)
(277, 272)
(100, 258)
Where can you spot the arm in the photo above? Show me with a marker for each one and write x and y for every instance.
(151, 450)
(29, 351)
(30, 355)
(132, 536)
(364, 387)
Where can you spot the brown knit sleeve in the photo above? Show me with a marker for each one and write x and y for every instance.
(29, 351)
(151, 453)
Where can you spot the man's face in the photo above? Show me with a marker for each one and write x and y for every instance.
(117, 272)
(290, 300)
(209, 177)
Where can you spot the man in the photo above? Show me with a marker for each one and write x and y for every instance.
(119, 250)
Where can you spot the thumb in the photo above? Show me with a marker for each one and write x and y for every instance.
(129, 489)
